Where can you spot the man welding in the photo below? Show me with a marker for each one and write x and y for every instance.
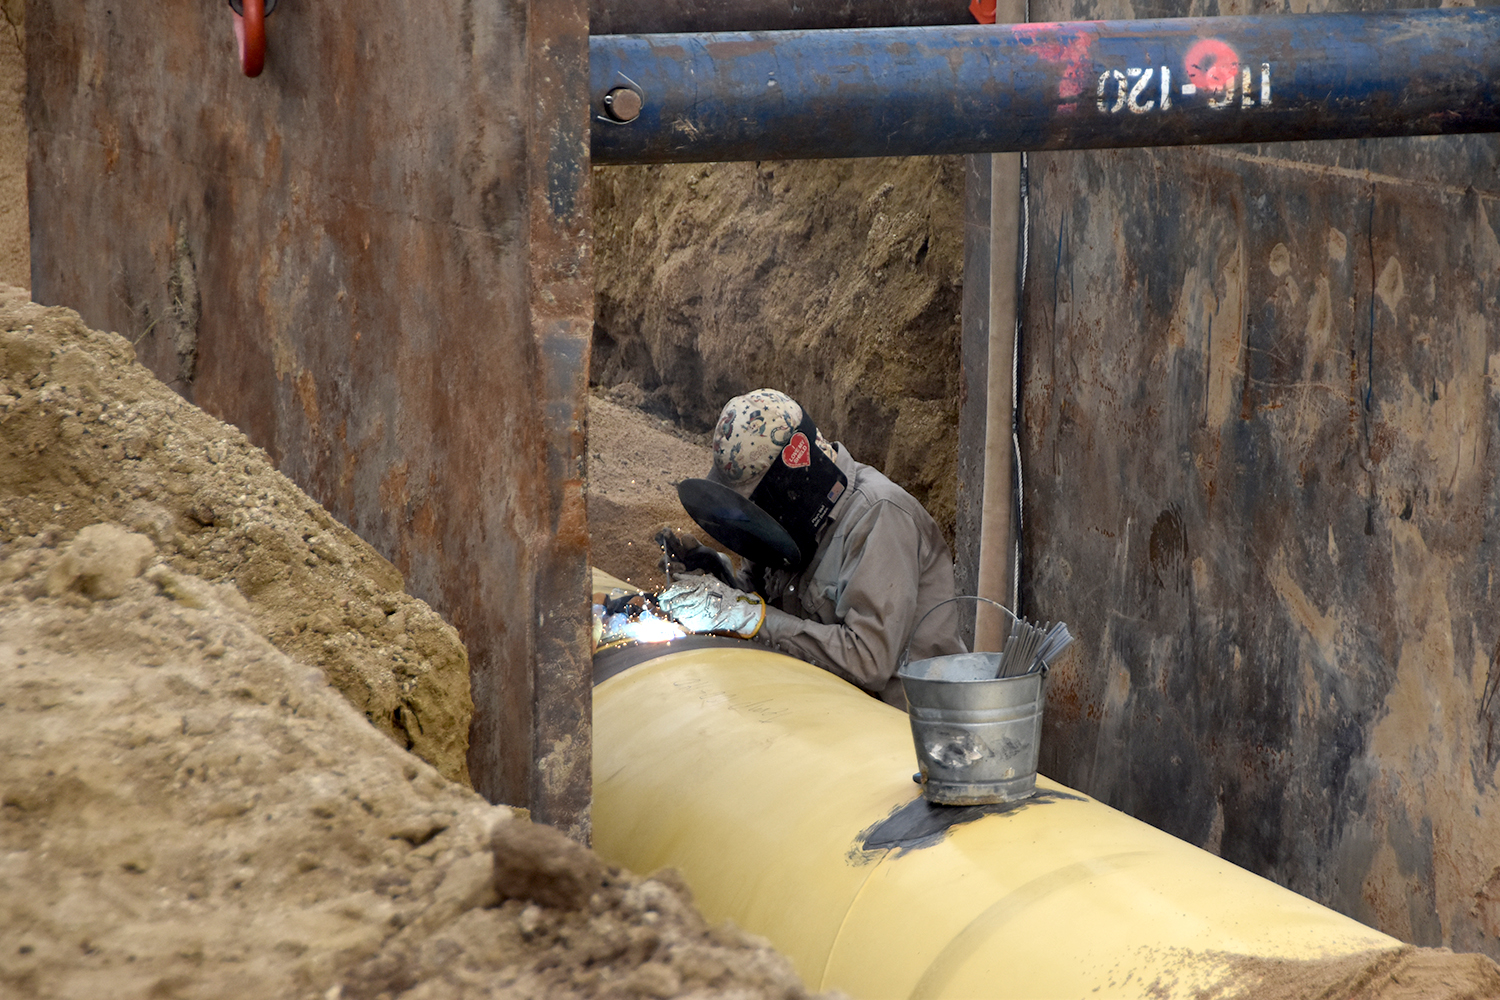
(842, 563)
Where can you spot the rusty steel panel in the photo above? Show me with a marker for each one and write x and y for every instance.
(561, 290)
(374, 258)
(1261, 435)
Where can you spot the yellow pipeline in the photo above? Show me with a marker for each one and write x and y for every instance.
(760, 777)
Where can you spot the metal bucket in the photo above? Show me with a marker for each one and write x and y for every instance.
(977, 735)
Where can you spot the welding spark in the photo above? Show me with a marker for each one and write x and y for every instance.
(648, 628)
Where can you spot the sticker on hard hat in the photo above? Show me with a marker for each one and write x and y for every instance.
(776, 526)
(798, 453)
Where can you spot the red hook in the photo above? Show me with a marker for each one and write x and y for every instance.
(250, 31)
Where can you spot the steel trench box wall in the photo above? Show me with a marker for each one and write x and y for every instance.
(1258, 425)
(394, 295)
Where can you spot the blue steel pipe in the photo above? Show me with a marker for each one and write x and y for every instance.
(1075, 85)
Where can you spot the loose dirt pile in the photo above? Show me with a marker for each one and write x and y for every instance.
(88, 436)
(1404, 974)
(187, 810)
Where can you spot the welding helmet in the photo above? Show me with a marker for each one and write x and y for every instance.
(773, 483)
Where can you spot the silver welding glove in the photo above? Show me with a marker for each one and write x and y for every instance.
(704, 604)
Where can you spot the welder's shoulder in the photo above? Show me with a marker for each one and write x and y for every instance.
(876, 495)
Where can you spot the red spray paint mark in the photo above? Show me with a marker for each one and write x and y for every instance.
(1072, 53)
(983, 11)
(1211, 64)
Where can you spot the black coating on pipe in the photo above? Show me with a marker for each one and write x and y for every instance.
(618, 659)
(920, 823)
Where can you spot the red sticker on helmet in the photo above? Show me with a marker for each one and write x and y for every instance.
(797, 454)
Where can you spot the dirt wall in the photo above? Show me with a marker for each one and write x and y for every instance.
(837, 282)
(634, 461)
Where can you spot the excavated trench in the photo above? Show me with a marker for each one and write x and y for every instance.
(838, 282)
(271, 841)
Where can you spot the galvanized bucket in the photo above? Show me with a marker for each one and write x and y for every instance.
(977, 735)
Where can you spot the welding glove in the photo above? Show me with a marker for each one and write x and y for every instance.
(685, 554)
(704, 604)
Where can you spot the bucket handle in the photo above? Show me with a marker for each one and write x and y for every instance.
(906, 650)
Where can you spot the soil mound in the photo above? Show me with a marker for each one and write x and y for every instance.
(189, 809)
(185, 811)
(88, 436)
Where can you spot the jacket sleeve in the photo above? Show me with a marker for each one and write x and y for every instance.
(875, 601)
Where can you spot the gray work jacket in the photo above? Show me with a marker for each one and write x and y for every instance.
(881, 565)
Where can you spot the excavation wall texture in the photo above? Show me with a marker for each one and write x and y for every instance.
(837, 282)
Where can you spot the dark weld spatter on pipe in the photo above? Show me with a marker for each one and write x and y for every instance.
(618, 659)
(618, 17)
(1083, 85)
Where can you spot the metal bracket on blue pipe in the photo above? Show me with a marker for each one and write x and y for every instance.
(1074, 85)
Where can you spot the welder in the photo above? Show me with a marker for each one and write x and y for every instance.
(841, 563)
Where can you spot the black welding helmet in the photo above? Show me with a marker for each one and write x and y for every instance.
(776, 525)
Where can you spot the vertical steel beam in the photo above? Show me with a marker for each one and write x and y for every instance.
(994, 579)
(974, 381)
(388, 232)
(997, 537)
(559, 782)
